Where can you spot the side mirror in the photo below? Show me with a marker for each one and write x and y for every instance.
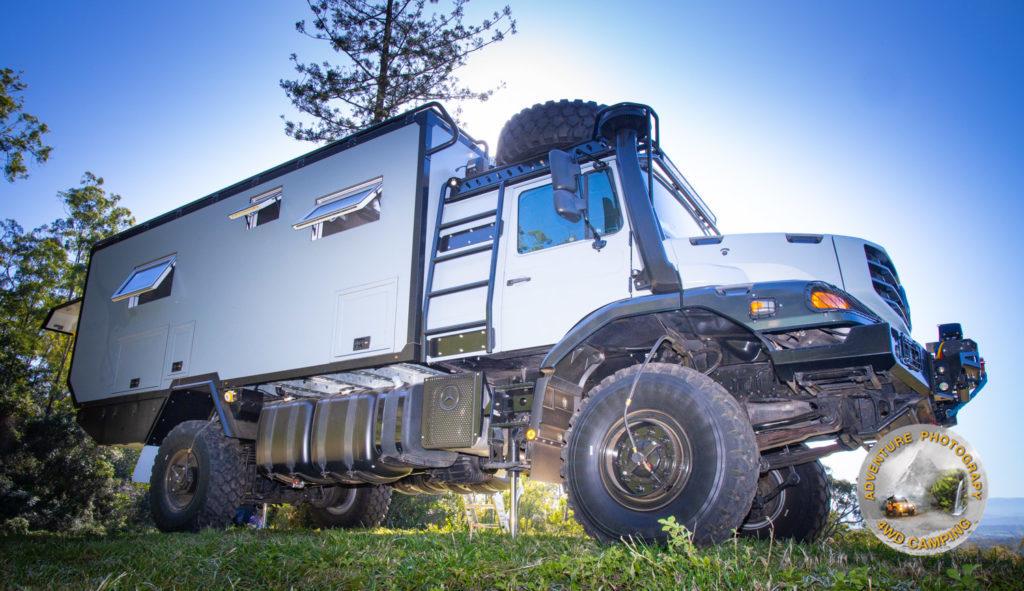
(568, 205)
(564, 175)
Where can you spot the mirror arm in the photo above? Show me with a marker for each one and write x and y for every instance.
(599, 242)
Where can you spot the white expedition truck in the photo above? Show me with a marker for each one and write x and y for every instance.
(394, 313)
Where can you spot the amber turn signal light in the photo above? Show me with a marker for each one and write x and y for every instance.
(826, 300)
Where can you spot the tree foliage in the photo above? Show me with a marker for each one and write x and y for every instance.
(845, 510)
(21, 134)
(943, 492)
(39, 270)
(52, 476)
(423, 511)
(395, 56)
(544, 509)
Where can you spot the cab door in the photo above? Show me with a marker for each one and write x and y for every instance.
(553, 274)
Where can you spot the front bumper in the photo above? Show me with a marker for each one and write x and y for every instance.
(948, 373)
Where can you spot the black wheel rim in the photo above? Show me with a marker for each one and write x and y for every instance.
(657, 472)
(766, 513)
(181, 479)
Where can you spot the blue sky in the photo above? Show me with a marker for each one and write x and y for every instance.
(897, 122)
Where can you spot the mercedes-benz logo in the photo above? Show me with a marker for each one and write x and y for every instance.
(449, 398)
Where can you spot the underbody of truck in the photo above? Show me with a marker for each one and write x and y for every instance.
(695, 394)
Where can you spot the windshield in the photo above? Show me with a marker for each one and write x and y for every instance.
(680, 211)
(675, 220)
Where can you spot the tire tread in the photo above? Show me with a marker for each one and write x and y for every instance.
(545, 126)
(226, 479)
(736, 425)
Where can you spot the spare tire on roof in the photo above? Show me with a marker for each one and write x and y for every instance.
(553, 125)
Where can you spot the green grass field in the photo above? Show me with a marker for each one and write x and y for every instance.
(385, 559)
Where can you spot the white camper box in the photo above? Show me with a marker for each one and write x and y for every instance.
(243, 295)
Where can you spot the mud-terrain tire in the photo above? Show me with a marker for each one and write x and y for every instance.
(700, 457)
(798, 513)
(536, 130)
(197, 478)
(352, 506)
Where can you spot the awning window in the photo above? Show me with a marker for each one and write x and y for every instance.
(262, 208)
(64, 318)
(259, 202)
(341, 203)
(144, 278)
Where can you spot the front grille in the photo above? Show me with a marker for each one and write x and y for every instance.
(886, 282)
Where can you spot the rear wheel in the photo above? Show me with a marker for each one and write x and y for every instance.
(684, 449)
(197, 478)
(352, 506)
(798, 512)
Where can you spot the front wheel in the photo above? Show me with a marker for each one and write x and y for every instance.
(197, 478)
(685, 448)
(352, 506)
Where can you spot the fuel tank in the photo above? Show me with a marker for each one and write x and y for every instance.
(375, 437)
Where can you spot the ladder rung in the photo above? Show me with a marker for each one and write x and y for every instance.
(455, 327)
(462, 253)
(458, 288)
(467, 219)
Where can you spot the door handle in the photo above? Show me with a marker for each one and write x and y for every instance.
(512, 282)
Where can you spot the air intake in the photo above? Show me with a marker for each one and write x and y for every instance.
(886, 282)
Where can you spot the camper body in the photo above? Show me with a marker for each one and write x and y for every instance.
(392, 312)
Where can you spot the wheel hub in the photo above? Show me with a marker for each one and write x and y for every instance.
(181, 478)
(651, 475)
(769, 499)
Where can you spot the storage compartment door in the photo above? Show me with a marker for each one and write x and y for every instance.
(365, 319)
(140, 358)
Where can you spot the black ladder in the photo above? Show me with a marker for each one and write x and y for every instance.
(457, 315)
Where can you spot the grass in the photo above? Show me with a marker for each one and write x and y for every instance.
(387, 559)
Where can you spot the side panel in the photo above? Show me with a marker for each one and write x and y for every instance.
(261, 300)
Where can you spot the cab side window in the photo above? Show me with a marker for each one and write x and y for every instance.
(540, 227)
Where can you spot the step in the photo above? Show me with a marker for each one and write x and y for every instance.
(462, 253)
(471, 218)
(458, 288)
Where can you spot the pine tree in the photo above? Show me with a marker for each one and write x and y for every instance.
(395, 57)
(20, 133)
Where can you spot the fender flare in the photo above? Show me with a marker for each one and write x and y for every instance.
(729, 303)
(200, 399)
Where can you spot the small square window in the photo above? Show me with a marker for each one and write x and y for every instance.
(263, 208)
(147, 282)
(344, 209)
